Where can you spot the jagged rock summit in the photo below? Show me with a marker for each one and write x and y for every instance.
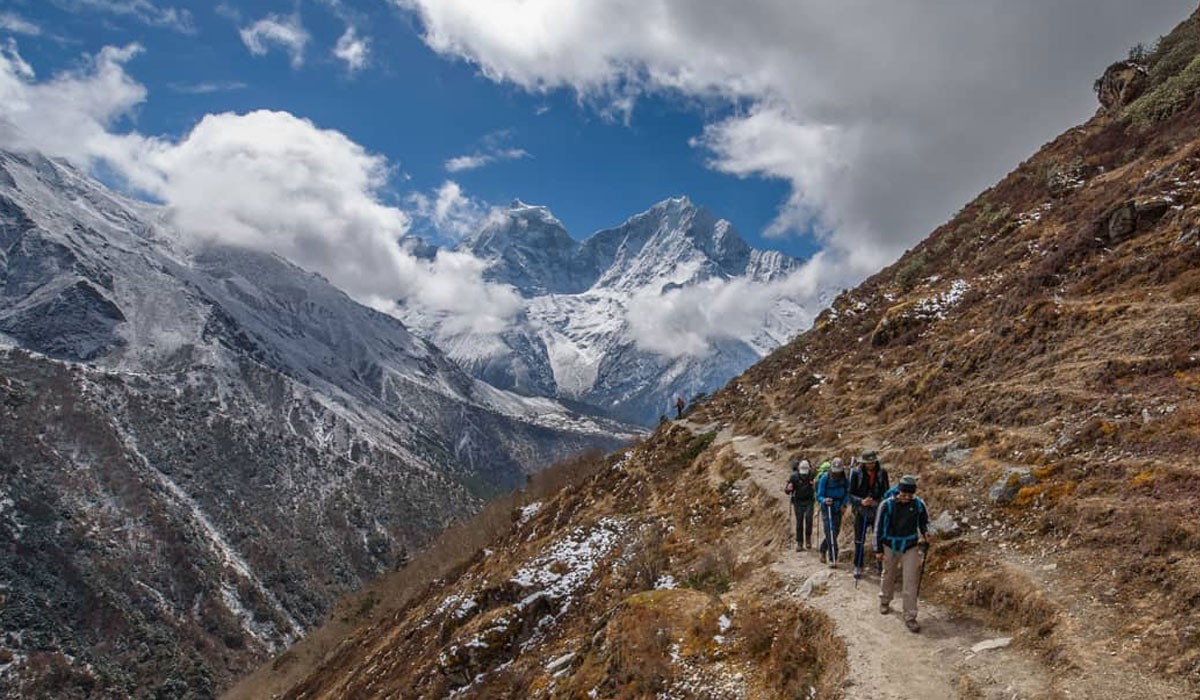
(574, 339)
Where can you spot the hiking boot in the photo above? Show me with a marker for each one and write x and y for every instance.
(913, 626)
(822, 557)
(799, 547)
(833, 564)
(809, 545)
(884, 608)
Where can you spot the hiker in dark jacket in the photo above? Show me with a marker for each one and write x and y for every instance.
(833, 493)
(803, 495)
(899, 525)
(868, 484)
(679, 404)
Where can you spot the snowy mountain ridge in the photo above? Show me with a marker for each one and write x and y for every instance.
(577, 336)
(206, 445)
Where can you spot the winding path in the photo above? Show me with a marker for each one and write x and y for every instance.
(885, 660)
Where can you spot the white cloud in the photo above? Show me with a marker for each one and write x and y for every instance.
(265, 180)
(451, 213)
(884, 118)
(286, 32)
(353, 50)
(71, 114)
(206, 88)
(478, 160)
(12, 22)
(17, 65)
(687, 320)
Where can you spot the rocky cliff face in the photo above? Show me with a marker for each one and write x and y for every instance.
(1034, 362)
(574, 339)
(202, 448)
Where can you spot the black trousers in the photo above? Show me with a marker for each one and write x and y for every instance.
(804, 522)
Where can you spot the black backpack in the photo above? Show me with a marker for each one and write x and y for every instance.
(802, 487)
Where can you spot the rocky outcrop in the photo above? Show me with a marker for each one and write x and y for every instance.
(1122, 83)
(1130, 217)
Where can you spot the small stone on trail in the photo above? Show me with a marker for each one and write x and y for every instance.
(813, 583)
(987, 644)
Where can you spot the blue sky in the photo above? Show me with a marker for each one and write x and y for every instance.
(592, 168)
(325, 130)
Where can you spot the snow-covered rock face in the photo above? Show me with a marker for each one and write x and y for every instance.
(271, 441)
(574, 341)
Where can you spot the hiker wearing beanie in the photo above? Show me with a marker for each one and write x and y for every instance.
(868, 484)
(832, 494)
(803, 495)
(901, 522)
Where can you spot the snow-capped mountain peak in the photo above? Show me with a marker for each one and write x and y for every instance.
(575, 340)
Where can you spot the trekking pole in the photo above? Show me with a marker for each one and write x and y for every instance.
(921, 571)
(791, 516)
(829, 534)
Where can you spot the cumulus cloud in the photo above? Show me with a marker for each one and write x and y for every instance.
(71, 114)
(451, 212)
(883, 117)
(687, 320)
(285, 32)
(353, 50)
(265, 180)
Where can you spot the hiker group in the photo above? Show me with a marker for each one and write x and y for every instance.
(897, 519)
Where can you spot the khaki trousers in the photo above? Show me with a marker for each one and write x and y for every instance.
(910, 563)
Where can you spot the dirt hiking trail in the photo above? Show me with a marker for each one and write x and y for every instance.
(884, 659)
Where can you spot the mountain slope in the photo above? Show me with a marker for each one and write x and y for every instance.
(1035, 362)
(205, 447)
(574, 339)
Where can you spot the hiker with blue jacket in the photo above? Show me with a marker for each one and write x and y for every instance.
(803, 495)
(901, 538)
(833, 492)
(868, 484)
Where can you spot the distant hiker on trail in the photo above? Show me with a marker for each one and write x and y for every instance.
(679, 404)
(803, 495)
(901, 521)
(868, 484)
(832, 494)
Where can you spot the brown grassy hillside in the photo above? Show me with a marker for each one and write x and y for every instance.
(1036, 361)
(1048, 334)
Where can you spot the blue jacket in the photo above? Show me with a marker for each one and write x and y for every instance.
(839, 491)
